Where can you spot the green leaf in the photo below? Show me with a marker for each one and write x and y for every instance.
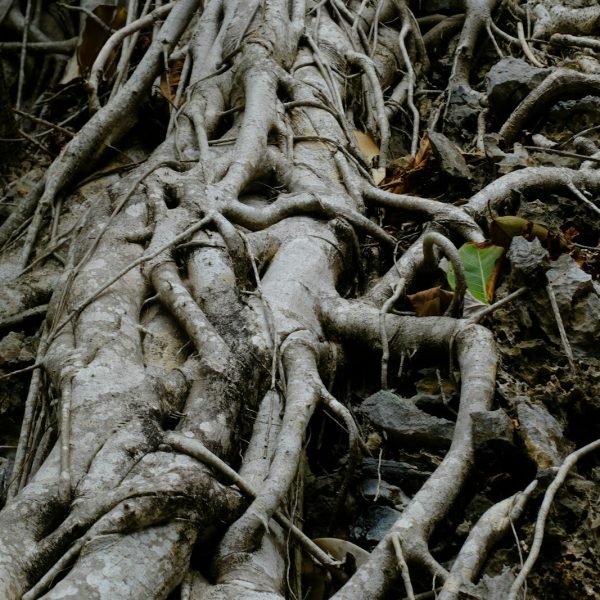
(479, 261)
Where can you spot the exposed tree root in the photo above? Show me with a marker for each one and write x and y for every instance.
(201, 307)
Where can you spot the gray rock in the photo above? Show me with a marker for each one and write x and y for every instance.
(494, 588)
(372, 525)
(11, 347)
(448, 156)
(491, 425)
(376, 490)
(584, 328)
(405, 423)
(428, 402)
(579, 305)
(461, 117)
(569, 282)
(395, 472)
(509, 81)
(542, 435)
(529, 261)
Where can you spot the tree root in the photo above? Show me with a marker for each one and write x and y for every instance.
(490, 527)
(241, 333)
(560, 82)
(538, 535)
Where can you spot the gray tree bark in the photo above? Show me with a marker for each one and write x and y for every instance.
(204, 306)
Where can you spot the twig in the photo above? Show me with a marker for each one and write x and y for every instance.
(562, 152)
(27, 423)
(35, 142)
(62, 130)
(89, 14)
(410, 74)
(23, 54)
(59, 47)
(538, 535)
(490, 33)
(136, 263)
(24, 315)
(268, 311)
(354, 442)
(488, 310)
(59, 567)
(366, 64)
(64, 486)
(573, 188)
(126, 52)
(561, 327)
(575, 41)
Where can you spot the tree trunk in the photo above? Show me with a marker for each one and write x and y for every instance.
(214, 290)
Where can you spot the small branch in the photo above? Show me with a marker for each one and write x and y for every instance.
(89, 14)
(562, 81)
(23, 57)
(574, 40)
(62, 130)
(490, 309)
(354, 442)
(18, 472)
(561, 327)
(410, 86)
(64, 486)
(60, 47)
(489, 529)
(136, 263)
(24, 315)
(456, 217)
(562, 153)
(573, 188)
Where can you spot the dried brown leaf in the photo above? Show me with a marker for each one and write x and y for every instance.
(94, 36)
(168, 85)
(430, 303)
(367, 145)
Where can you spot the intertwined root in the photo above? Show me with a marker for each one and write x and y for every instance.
(204, 305)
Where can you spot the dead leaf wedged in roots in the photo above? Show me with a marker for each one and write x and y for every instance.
(320, 582)
(431, 303)
(91, 40)
(370, 149)
(504, 229)
(169, 85)
(402, 170)
(367, 145)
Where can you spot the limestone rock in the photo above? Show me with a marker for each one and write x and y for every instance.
(405, 423)
(509, 81)
(542, 435)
